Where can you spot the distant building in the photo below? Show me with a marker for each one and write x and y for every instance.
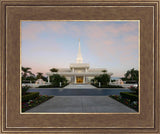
(78, 72)
(118, 82)
(40, 81)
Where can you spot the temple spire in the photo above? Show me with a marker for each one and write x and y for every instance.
(79, 55)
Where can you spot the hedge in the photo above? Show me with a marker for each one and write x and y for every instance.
(128, 95)
(114, 86)
(46, 86)
(30, 96)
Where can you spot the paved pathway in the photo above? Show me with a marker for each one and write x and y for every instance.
(79, 86)
(82, 104)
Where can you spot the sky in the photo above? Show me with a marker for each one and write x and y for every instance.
(104, 44)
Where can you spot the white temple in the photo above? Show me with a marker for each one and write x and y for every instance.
(79, 72)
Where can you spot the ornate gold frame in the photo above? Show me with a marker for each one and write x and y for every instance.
(13, 11)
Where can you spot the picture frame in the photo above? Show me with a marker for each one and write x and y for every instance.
(145, 121)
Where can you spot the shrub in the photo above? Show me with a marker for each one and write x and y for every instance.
(30, 96)
(103, 79)
(24, 89)
(134, 89)
(127, 102)
(56, 79)
(46, 86)
(128, 95)
(114, 86)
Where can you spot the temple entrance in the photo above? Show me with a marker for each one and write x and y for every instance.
(79, 79)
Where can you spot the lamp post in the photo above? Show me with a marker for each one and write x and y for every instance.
(99, 84)
(48, 79)
(60, 84)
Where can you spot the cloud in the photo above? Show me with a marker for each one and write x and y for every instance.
(100, 31)
(127, 27)
(31, 31)
(132, 38)
(113, 51)
(56, 27)
(47, 46)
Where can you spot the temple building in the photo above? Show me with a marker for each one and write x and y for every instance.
(79, 72)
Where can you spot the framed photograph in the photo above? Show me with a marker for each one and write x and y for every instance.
(80, 66)
(76, 77)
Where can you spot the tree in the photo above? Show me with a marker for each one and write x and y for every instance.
(104, 71)
(24, 89)
(104, 79)
(26, 75)
(25, 72)
(31, 78)
(132, 74)
(39, 75)
(54, 70)
(55, 80)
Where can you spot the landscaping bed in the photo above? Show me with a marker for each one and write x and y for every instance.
(33, 99)
(128, 99)
(30, 96)
(129, 95)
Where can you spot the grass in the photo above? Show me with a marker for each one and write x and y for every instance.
(35, 102)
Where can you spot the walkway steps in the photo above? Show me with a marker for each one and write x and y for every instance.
(79, 86)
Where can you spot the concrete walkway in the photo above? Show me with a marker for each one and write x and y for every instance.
(82, 104)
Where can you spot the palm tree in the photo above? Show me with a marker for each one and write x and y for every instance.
(131, 74)
(54, 70)
(25, 72)
(127, 74)
(104, 71)
(39, 75)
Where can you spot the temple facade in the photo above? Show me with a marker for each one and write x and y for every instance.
(79, 72)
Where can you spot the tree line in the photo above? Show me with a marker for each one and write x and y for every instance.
(29, 77)
(131, 76)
